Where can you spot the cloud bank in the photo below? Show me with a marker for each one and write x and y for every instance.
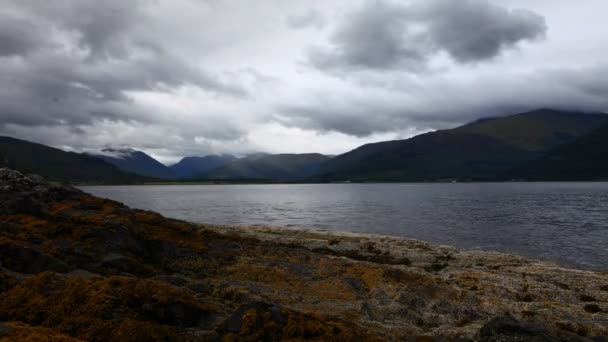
(191, 77)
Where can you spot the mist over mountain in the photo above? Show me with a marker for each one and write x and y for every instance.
(543, 144)
(138, 162)
(57, 165)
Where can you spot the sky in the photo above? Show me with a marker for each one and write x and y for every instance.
(181, 78)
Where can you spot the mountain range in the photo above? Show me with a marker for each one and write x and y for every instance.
(484, 150)
(544, 144)
(57, 165)
(133, 161)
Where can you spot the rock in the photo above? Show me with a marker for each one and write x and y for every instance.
(586, 298)
(11, 180)
(121, 263)
(5, 329)
(507, 328)
(19, 258)
(234, 323)
(592, 308)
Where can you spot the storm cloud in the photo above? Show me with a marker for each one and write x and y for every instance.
(73, 62)
(185, 77)
(382, 35)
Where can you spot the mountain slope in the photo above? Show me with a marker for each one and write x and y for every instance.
(134, 161)
(280, 167)
(58, 165)
(487, 149)
(583, 159)
(537, 130)
(198, 167)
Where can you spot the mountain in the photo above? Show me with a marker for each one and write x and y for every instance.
(197, 167)
(582, 159)
(279, 167)
(538, 130)
(134, 161)
(487, 149)
(58, 165)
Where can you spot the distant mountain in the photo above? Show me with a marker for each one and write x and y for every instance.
(487, 149)
(198, 167)
(279, 167)
(57, 165)
(582, 159)
(134, 161)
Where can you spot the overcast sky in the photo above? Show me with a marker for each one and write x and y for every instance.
(193, 77)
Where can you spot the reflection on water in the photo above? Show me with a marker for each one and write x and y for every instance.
(567, 222)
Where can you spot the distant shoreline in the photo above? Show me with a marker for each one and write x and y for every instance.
(325, 183)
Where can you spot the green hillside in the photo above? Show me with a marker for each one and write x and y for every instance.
(58, 165)
(538, 130)
(280, 167)
(583, 159)
(487, 149)
(193, 167)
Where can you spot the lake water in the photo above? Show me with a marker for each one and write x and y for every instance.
(565, 222)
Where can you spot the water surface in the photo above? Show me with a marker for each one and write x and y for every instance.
(565, 222)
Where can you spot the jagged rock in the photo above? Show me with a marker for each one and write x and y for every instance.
(11, 180)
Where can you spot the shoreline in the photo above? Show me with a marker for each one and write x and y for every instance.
(262, 231)
(76, 266)
(195, 183)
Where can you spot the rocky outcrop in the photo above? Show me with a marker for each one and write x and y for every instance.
(77, 267)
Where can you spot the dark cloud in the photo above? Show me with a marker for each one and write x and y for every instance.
(186, 77)
(18, 36)
(103, 28)
(373, 37)
(80, 68)
(382, 35)
(475, 30)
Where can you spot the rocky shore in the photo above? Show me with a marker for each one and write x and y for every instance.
(76, 267)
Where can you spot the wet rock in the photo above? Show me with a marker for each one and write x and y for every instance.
(175, 314)
(235, 322)
(5, 329)
(586, 298)
(436, 267)
(507, 329)
(261, 321)
(592, 308)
